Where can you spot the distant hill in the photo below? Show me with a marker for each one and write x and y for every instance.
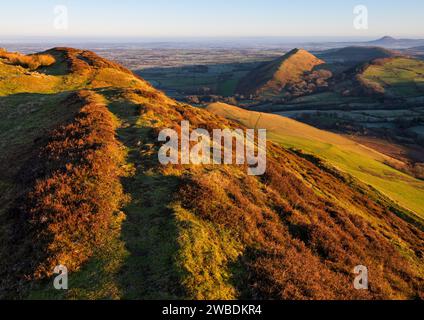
(394, 43)
(81, 186)
(274, 76)
(387, 40)
(421, 48)
(356, 54)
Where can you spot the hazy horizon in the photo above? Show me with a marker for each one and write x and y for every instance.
(152, 39)
(220, 19)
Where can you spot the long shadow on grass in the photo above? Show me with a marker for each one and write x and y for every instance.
(149, 231)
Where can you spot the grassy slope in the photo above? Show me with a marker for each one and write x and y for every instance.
(348, 156)
(398, 76)
(202, 231)
(273, 76)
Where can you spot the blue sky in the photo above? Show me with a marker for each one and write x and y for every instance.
(211, 18)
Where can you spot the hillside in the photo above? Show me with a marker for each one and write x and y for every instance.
(80, 184)
(274, 76)
(420, 48)
(356, 54)
(394, 77)
(391, 42)
(363, 163)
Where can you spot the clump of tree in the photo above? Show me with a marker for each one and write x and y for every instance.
(311, 82)
(204, 99)
(418, 170)
(370, 88)
(414, 169)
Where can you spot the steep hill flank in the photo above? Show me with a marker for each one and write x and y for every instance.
(275, 75)
(206, 232)
(359, 161)
(393, 77)
(391, 42)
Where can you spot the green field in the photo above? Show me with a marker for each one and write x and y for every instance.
(399, 76)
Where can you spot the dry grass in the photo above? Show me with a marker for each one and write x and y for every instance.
(72, 208)
(301, 228)
(364, 163)
(32, 62)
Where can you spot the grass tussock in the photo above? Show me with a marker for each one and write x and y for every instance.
(206, 256)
